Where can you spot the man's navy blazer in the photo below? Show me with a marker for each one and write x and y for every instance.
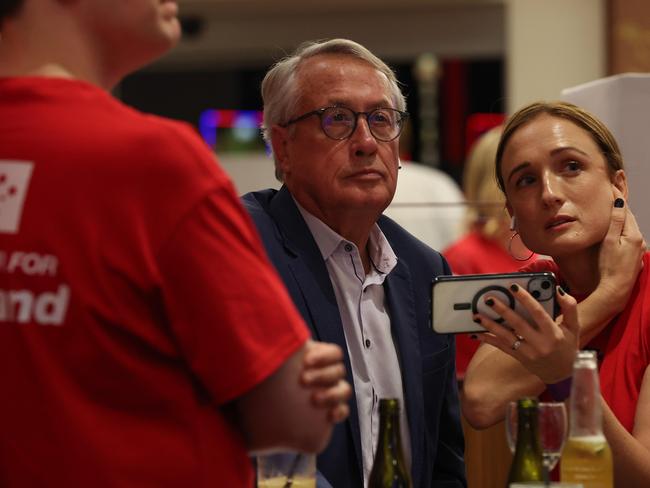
(427, 359)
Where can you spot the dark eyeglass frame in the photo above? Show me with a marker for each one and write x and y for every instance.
(403, 116)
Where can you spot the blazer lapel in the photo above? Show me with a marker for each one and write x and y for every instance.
(310, 272)
(400, 295)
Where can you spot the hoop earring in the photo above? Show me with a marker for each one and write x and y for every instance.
(517, 258)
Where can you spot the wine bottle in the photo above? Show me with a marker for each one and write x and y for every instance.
(527, 463)
(586, 457)
(389, 469)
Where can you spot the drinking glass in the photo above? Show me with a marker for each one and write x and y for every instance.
(552, 430)
(286, 470)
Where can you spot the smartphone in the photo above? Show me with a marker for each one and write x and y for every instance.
(455, 299)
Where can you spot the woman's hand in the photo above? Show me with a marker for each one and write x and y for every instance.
(621, 255)
(546, 348)
(619, 263)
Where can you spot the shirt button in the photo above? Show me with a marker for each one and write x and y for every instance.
(348, 247)
(367, 342)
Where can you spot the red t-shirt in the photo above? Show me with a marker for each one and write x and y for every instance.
(476, 254)
(624, 346)
(135, 297)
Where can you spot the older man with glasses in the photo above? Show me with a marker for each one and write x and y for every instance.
(333, 113)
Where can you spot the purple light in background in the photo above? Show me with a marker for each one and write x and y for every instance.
(212, 119)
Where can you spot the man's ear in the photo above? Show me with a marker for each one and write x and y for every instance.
(620, 182)
(279, 140)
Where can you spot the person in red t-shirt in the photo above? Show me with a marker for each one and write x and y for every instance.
(562, 174)
(145, 338)
(488, 246)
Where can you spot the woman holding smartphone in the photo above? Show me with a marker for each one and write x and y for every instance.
(562, 175)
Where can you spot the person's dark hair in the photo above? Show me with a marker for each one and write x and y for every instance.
(9, 8)
(565, 110)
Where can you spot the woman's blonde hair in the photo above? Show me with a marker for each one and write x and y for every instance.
(486, 203)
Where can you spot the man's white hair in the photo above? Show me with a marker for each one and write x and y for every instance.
(279, 88)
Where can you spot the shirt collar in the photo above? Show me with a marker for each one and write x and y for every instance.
(381, 254)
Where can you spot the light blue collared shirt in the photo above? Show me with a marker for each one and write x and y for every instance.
(366, 324)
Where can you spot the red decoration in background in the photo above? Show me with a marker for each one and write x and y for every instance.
(479, 123)
(459, 129)
(454, 106)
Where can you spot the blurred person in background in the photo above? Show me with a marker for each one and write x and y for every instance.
(333, 113)
(489, 245)
(145, 339)
(428, 203)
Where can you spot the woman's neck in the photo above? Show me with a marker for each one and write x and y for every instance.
(580, 270)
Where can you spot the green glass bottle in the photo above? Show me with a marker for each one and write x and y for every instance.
(389, 469)
(527, 463)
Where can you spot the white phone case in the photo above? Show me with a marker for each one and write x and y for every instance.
(455, 299)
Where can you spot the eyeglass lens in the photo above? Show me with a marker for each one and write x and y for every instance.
(339, 123)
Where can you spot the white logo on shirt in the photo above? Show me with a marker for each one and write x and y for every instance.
(14, 180)
(24, 306)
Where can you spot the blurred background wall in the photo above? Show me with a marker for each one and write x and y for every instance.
(464, 65)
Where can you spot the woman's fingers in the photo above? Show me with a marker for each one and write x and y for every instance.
(569, 317)
(542, 322)
(623, 227)
(542, 319)
(631, 230)
(619, 214)
(500, 337)
(546, 349)
(509, 338)
(621, 254)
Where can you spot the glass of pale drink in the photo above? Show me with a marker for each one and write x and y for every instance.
(286, 470)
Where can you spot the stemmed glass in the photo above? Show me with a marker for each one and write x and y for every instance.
(552, 431)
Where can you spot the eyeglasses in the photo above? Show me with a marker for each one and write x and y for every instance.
(340, 122)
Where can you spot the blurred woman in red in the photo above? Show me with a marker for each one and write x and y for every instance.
(489, 246)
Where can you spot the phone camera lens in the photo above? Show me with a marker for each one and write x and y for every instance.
(536, 294)
(546, 285)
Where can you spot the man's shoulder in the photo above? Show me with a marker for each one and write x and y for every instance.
(258, 206)
(258, 202)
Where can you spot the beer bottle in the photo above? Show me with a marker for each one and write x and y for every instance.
(527, 463)
(586, 457)
(389, 469)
